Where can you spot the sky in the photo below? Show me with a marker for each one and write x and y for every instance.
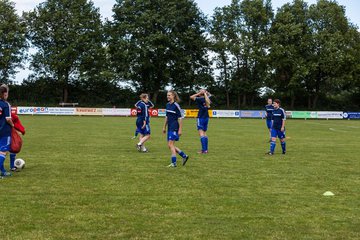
(207, 6)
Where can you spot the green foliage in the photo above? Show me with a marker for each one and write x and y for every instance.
(239, 35)
(12, 41)
(290, 51)
(307, 55)
(89, 182)
(333, 47)
(158, 43)
(69, 40)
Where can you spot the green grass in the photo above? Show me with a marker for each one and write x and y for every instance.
(84, 179)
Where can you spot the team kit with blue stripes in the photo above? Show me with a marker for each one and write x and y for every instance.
(275, 122)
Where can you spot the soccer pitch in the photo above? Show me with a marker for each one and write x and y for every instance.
(84, 179)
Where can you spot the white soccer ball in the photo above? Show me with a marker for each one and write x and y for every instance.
(19, 163)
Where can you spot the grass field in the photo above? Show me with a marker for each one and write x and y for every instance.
(84, 179)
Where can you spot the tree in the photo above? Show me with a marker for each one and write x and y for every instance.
(12, 41)
(156, 43)
(333, 47)
(67, 35)
(249, 46)
(290, 51)
(219, 31)
(239, 33)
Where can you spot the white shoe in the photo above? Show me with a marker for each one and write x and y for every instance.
(172, 165)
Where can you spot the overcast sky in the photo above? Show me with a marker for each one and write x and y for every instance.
(207, 6)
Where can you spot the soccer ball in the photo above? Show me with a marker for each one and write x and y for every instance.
(19, 163)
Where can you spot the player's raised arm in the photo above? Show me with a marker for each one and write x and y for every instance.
(194, 96)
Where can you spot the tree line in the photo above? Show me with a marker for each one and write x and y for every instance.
(307, 55)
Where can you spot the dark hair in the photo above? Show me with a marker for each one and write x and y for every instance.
(277, 101)
(3, 90)
(144, 95)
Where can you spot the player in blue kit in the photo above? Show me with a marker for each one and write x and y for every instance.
(269, 108)
(202, 99)
(142, 125)
(150, 105)
(278, 127)
(173, 121)
(6, 126)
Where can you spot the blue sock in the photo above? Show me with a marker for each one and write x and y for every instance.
(206, 143)
(12, 160)
(283, 146)
(272, 146)
(2, 160)
(203, 143)
(173, 159)
(182, 154)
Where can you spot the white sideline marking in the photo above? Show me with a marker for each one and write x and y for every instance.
(334, 130)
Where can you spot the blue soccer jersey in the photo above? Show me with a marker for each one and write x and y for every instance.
(5, 112)
(142, 111)
(142, 115)
(173, 113)
(278, 116)
(269, 111)
(203, 109)
(149, 104)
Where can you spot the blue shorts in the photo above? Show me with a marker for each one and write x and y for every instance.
(143, 131)
(277, 133)
(5, 144)
(173, 136)
(268, 123)
(202, 124)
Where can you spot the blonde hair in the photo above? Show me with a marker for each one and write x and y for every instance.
(176, 96)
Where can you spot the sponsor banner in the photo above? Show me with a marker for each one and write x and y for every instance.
(88, 111)
(288, 114)
(252, 114)
(45, 111)
(226, 113)
(133, 112)
(191, 113)
(152, 112)
(303, 114)
(351, 115)
(116, 111)
(161, 112)
(330, 115)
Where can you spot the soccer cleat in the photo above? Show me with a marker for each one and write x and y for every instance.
(6, 174)
(185, 160)
(269, 153)
(172, 165)
(14, 169)
(203, 152)
(138, 147)
(284, 152)
(144, 149)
